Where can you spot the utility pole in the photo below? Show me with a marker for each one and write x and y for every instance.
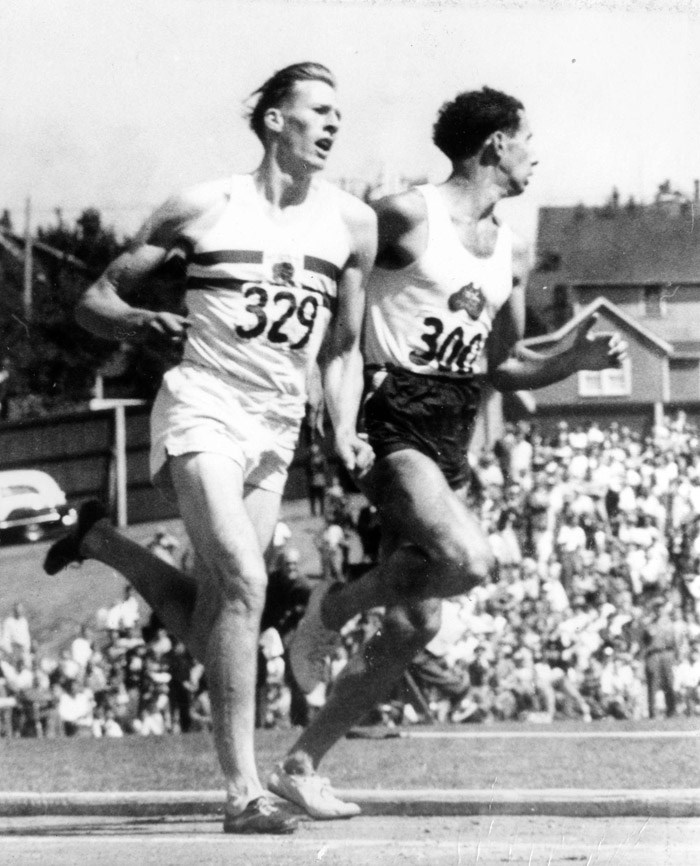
(28, 261)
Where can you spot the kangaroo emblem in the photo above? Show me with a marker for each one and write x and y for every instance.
(469, 298)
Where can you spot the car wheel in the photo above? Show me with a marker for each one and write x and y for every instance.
(33, 532)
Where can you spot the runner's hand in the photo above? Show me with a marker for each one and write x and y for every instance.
(355, 452)
(598, 351)
(165, 329)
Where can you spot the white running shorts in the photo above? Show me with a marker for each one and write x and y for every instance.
(199, 411)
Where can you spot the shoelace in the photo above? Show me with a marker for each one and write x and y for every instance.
(264, 805)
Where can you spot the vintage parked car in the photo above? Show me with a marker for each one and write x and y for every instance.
(31, 502)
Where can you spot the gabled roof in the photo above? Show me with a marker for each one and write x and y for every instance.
(642, 244)
(602, 304)
(686, 349)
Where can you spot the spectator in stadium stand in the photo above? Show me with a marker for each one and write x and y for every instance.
(201, 710)
(288, 592)
(109, 724)
(316, 479)
(38, 704)
(570, 542)
(119, 700)
(333, 547)
(504, 542)
(281, 538)
(82, 647)
(15, 631)
(660, 654)
(159, 643)
(75, 709)
(129, 613)
(336, 508)
(687, 682)
(68, 668)
(150, 720)
(271, 686)
(521, 454)
(619, 686)
(95, 679)
(370, 533)
(124, 613)
(182, 688)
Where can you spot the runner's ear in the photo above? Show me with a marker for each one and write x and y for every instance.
(273, 119)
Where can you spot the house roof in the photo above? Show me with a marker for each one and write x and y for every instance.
(602, 304)
(686, 349)
(648, 244)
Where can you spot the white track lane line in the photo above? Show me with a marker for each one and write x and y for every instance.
(559, 735)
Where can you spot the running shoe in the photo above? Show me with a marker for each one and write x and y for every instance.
(66, 550)
(260, 816)
(312, 643)
(312, 792)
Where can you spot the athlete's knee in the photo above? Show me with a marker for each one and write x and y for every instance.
(463, 561)
(414, 624)
(242, 582)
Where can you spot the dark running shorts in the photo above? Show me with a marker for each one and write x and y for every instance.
(432, 414)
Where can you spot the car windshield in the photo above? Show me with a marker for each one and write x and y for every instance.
(17, 490)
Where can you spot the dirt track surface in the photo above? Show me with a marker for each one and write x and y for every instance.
(479, 841)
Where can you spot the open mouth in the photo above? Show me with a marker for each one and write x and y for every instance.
(324, 144)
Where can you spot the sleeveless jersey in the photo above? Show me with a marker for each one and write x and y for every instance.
(261, 292)
(434, 315)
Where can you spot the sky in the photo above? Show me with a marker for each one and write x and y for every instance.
(116, 105)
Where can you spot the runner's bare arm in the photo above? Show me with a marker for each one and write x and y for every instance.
(102, 309)
(401, 229)
(341, 361)
(512, 366)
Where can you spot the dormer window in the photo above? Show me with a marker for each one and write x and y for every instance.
(654, 305)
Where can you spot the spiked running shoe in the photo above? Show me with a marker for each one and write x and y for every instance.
(312, 792)
(66, 550)
(312, 643)
(260, 816)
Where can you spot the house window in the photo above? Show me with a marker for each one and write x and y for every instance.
(654, 306)
(615, 382)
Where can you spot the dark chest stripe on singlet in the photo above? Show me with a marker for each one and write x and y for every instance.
(232, 284)
(255, 257)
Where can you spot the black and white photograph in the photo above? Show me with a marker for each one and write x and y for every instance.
(350, 432)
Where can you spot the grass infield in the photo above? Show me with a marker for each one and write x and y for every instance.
(187, 762)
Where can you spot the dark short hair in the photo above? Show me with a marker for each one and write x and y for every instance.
(464, 124)
(278, 88)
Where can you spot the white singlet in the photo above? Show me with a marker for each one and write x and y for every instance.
(434, 315)
(260, 292)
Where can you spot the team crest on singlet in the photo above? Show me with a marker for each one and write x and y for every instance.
(284, 269)
(469, 298)
(283, 273)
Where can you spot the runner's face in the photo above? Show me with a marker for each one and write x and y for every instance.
(311, 123)
(519, 161)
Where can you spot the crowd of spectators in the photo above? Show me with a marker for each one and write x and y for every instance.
(119, 677)
(593, 610)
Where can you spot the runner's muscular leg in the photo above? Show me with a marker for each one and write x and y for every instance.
(228, 544)
(171, 593)
(168, 591)
(445, 552)
(369, 676)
